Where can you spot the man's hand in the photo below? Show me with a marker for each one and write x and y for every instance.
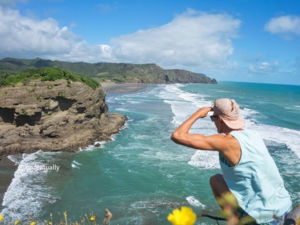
(202, 112)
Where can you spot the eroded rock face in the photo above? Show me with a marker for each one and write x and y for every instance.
(54, 116)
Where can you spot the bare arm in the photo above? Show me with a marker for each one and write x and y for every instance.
(198, 141)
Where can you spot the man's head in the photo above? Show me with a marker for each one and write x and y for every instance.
(226, 115)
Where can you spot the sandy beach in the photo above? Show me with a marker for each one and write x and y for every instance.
(111, 87)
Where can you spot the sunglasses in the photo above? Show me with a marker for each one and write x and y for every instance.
(213, 118)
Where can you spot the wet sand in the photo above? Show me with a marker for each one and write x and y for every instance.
(122, 87)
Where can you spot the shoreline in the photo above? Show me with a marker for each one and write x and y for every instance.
(8, 168)
(7, 171)
(111, 87)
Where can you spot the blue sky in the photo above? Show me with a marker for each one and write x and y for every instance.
(237, 40)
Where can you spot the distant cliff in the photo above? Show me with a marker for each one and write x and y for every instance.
(115, 72)
(53, 113)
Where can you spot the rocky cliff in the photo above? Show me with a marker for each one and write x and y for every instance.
(54, 116)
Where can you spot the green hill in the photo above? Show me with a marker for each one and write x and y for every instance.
(116, 72)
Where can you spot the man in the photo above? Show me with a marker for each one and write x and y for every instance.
(248, 170)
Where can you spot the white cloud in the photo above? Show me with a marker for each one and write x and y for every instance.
(284, 25)
(263, 67)
(192, 39)
(26, 37)
(23, 35)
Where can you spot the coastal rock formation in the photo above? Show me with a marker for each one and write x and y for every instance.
(115, 72)
(54, 116)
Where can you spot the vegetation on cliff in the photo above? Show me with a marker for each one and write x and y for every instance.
(45, 74)
(115, 72)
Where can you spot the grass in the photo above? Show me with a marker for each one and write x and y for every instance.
(59, 219)
(45, 74)
(185, 215)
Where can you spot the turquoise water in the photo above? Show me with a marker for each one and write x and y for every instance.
(142, 175)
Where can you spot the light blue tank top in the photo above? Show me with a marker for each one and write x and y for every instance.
(255, 180)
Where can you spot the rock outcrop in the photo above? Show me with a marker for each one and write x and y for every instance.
(54, 116)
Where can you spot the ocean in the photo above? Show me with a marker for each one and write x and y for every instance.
(142, 175)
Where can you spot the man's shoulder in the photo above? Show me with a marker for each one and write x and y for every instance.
(225, 143)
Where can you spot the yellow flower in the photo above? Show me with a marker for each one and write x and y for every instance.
(33, 223)
(1, 217)
(92, 218)
(185, 216)
(66, 217)
(16, 222)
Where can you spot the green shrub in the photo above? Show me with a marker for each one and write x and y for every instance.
(45, 74)
(23, 112)
(61, 94)
(39, 97)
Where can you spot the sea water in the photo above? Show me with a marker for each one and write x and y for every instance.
(142, 175)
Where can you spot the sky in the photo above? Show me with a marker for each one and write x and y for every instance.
(232, 40)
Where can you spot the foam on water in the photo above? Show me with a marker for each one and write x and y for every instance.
(281, 135)
(30, 191)
(97, 144)
(76, 164)
(122, 109)
(194, 202)
(153, 205)
(26, 195)
(141, 136)
(205, 160)
(183, 104)
(16, 159)
(101, 144)
(293, 107)
(166, 156)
